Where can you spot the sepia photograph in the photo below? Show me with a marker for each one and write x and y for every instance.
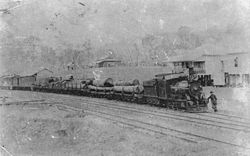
(124, 77)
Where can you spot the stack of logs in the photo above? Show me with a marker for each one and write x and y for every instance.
(107, 84)
(128, 86)
(101, 85)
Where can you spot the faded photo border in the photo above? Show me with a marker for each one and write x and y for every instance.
(125, 41)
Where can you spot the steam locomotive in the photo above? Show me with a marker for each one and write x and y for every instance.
(172, 90)
(175, 91)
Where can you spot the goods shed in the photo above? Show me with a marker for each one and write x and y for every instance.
(27, 81)
(35, 77)
(9, 80)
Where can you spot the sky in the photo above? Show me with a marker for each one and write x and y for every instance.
(107, 21)
(68, 23)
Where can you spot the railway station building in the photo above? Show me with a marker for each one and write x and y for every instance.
(236, 68)
(231, 69)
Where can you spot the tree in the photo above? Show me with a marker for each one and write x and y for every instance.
(84, 56)
(188, 39)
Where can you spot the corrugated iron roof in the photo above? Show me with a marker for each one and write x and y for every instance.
(184, 58)
(108, 60)
(105, 58)
(33, 72)
(10, 76)
(204, 56)
(238, 53)
(188, 57)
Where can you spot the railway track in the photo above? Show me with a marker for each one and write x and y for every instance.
(226, 125)
(166, 116)
(243, 128)
(133, 123)
(192, 118)
(233, 116)
(211, 116)
(141, 125)
(226, 117)
(163, 130)
(21, 102)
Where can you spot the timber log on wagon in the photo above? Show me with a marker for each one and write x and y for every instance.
(101, 88)
(176, 91)
(127, 83)
(128, 93)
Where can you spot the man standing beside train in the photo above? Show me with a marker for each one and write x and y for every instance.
(213, 101)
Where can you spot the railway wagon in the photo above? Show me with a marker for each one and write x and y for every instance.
(101, 88)
(128, 93)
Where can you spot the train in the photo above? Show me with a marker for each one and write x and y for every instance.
(177, 91)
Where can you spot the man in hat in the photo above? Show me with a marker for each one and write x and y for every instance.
(213, 101)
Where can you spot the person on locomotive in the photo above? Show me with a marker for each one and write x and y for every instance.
(192, 75)
(213, 101)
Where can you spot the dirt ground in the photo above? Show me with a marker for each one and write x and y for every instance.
(38, 127)
(234, 101)
(46, 130)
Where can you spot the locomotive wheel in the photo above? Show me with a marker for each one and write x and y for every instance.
(148, 101)
(156, 102)
(177, 105)
(182, 105)
(153, 101)
(171, 104)
(119, 97)
(143, 100)
(163, 103)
